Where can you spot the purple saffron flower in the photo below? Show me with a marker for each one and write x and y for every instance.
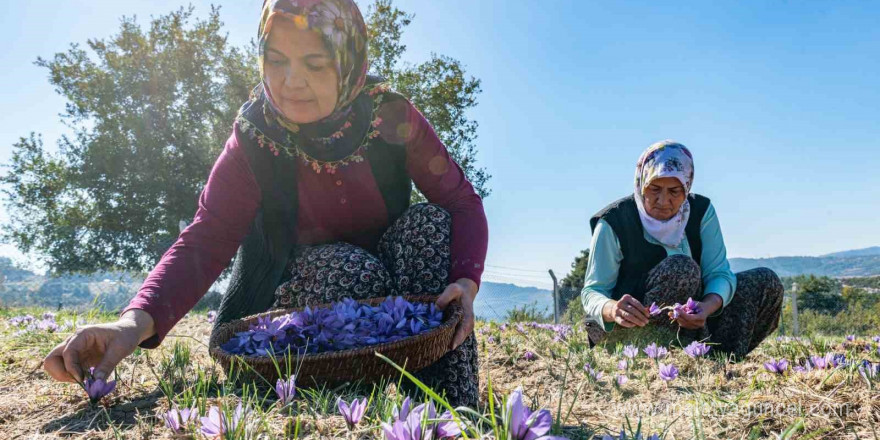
(776, 366)
(529, 356)
(421, 423)
(822, 362)
(631, 351)
(212, 316)
(286, 390)
(177, 420)
(622, 380)
(352, 413)
(876, 339)
(668, 372)
(490, 339)
(696, 349)
(622, 365)
(654, 310)
(870, 371)
(217, 424)
(523, 424)
(850, 338)
(691, 307)
(97, 388)
(655, 352)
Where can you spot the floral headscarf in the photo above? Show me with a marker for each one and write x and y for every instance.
(665, 159)
(341, 26)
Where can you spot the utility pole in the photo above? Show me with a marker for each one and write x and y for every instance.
(555, 298)
(794, 310)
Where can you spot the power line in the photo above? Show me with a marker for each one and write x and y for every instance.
(516, 268)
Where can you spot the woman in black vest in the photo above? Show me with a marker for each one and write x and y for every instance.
(662, 246)
(313, 192)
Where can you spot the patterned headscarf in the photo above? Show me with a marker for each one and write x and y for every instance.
(665, 159)
(341, 26)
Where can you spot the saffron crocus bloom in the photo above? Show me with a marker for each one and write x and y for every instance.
(823, 362)
(775, 366)
(696, 349)
(286, 390)
(420, 424)
(352, 413)
(529, 356)
(668, 372)
(622, 365)
(523, 424)
(631, 351)
(97, 388)
(217, 424)
(622, 380)
(654, 310)
(655, 352)
(595, 374)
(869, 371)
(212, 316)
(691, 307)
(177, 420)
(850, 338)
(876, 339)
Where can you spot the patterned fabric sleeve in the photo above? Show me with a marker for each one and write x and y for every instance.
(602, 269)
(227, 207)
(443, 183)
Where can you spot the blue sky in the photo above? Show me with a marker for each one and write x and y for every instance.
(779, 102)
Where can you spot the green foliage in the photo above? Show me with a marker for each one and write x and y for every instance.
(571, 286)
(528, 313)
(574, 313)
(575, 279)
(439, 88)
(150, 110)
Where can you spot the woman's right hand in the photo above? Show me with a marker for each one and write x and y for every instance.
(627, 312)
(101, 346)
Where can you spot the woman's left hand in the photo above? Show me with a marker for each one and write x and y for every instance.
(464, 290)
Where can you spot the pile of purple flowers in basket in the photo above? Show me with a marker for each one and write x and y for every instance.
(343, 325)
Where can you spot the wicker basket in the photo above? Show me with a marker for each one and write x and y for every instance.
(330, 368)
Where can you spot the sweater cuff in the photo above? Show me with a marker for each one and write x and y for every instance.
(163, 320)
(720, 287)
(466, 269)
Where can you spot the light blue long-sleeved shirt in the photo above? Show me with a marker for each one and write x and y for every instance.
(606, 255)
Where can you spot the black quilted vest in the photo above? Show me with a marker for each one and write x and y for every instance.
(640, 256)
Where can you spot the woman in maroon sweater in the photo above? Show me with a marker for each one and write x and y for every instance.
(313, 190)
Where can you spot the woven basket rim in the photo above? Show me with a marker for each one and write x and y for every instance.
(452, 321)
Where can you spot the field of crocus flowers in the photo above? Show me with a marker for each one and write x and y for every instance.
(542, 380)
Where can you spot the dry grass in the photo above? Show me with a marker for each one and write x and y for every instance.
(710, 399)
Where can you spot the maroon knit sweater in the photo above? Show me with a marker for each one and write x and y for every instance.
(345, 206)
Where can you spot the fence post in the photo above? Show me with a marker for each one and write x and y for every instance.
(794, 310)
(555, 298)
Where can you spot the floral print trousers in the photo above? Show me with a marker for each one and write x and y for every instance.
(751, 315)
(413, 258)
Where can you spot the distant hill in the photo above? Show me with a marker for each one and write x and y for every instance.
(866, 252)
(853, 263)
(496, 299)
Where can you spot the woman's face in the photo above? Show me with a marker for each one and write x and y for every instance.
(300, 73)
(663, 197)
